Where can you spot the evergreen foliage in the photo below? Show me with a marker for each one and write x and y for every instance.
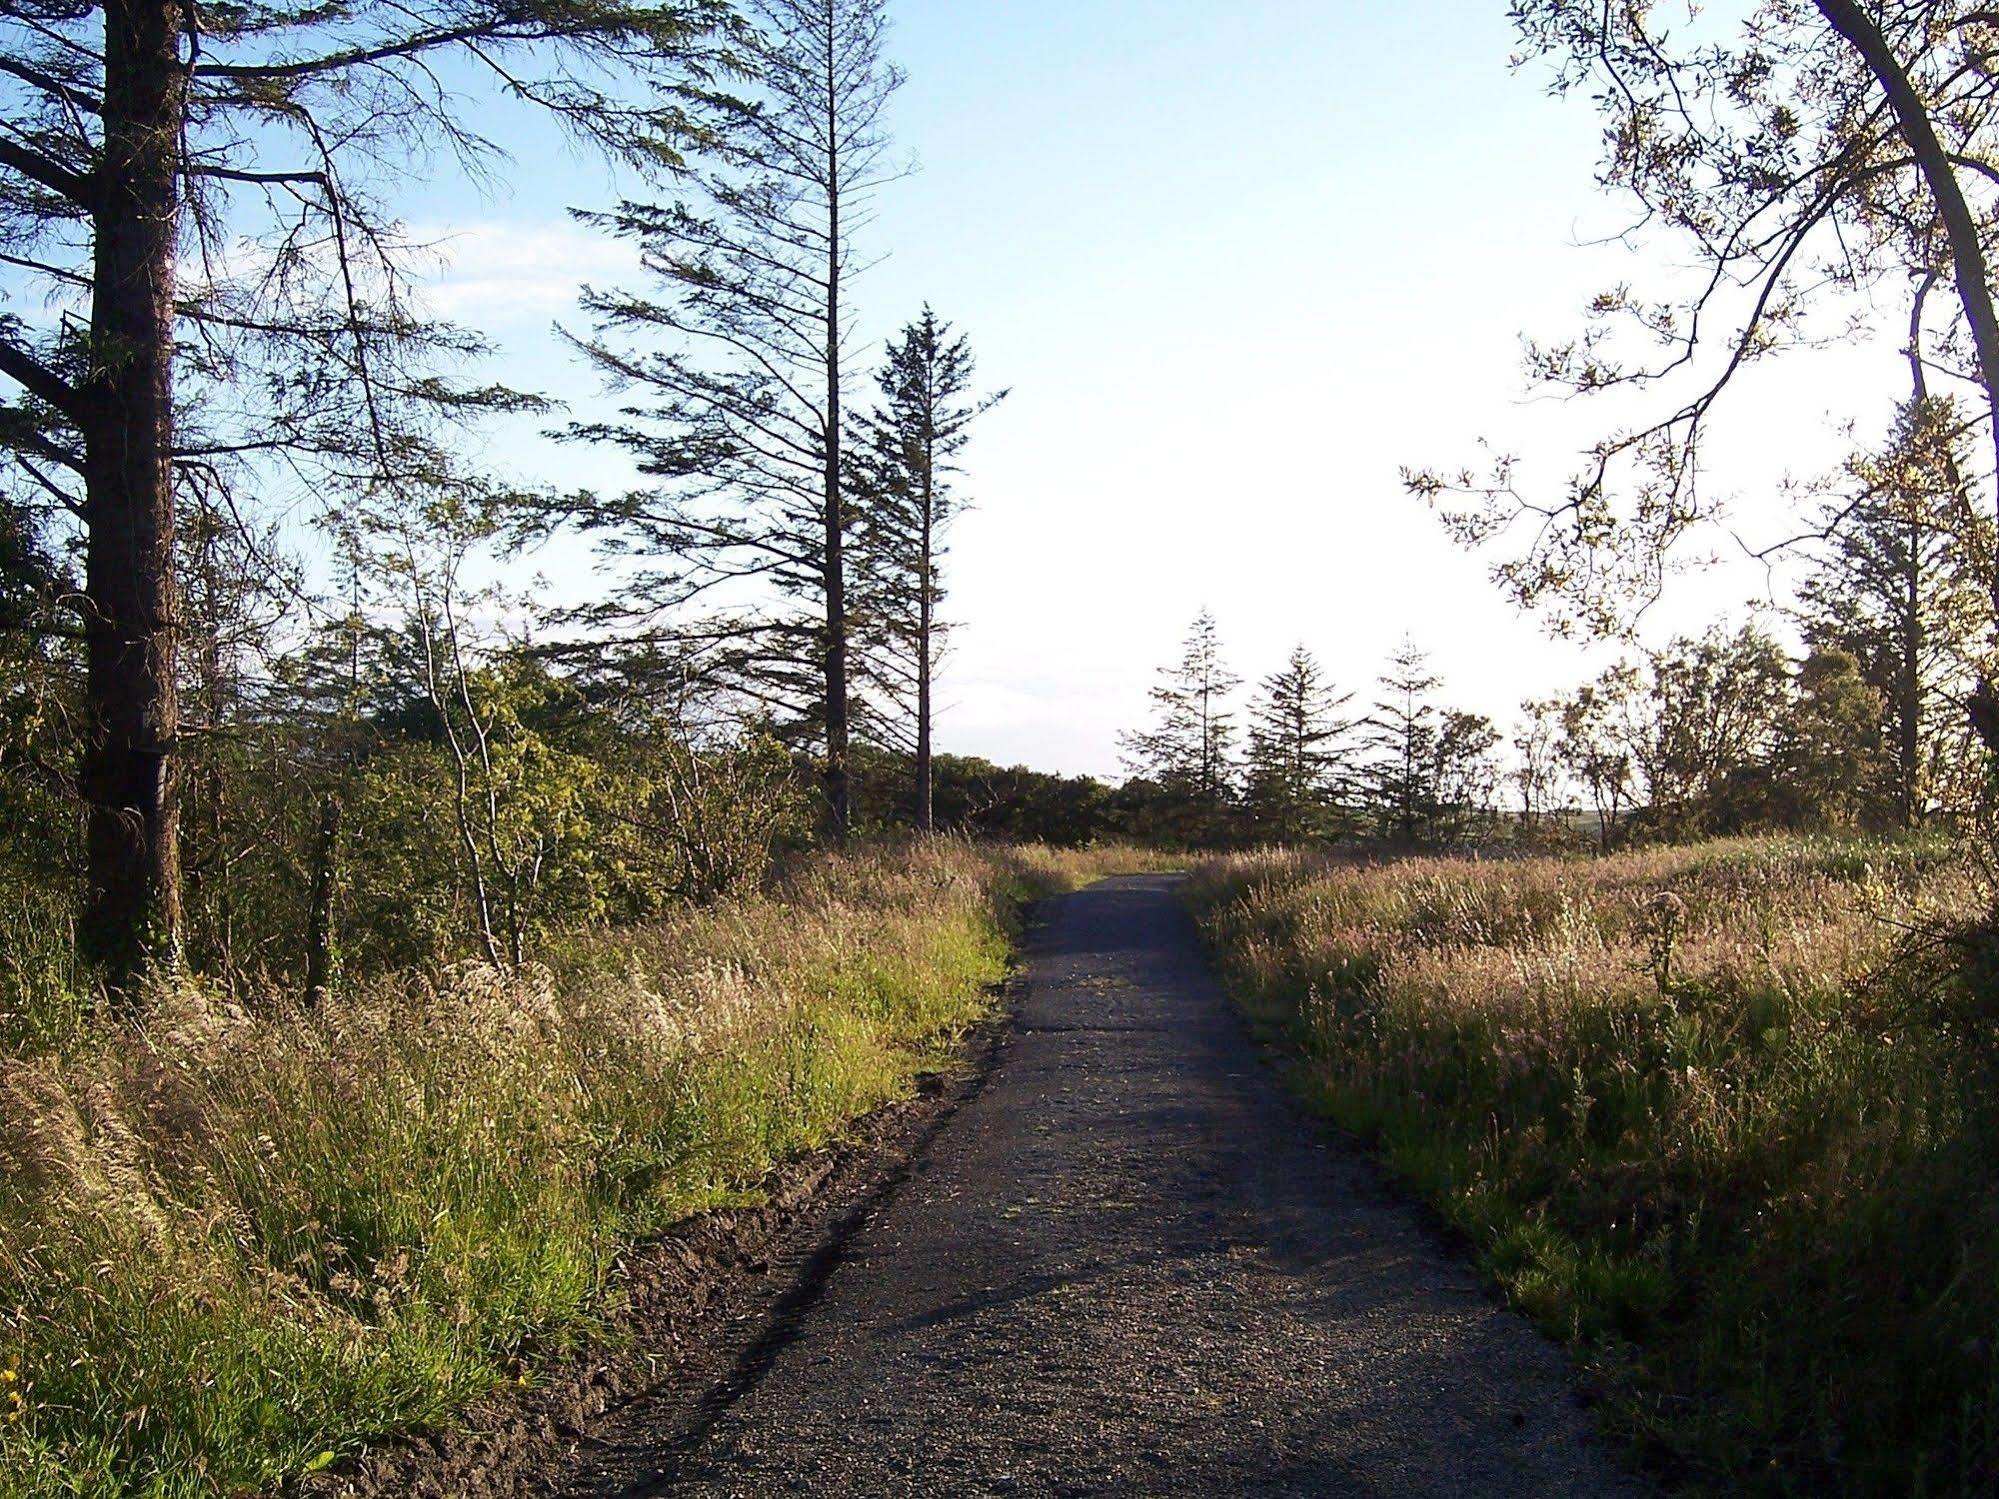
(906, 464)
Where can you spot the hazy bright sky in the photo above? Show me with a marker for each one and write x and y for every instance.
(1238, 264)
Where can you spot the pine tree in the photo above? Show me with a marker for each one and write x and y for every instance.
(905, 467)
(740, 368)
(1295, 775)
(1402, 734)
(1897, 586)
(1830, 761)
(1187, 749)
(1431, 777)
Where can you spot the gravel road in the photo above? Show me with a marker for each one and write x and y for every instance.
(1129, 1264)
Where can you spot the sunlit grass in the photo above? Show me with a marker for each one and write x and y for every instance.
(1692, 1117)
(237, 1244)
(43, 999)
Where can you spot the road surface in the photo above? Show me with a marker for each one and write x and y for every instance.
(1130, 1264)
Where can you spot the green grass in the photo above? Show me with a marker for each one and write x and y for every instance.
(1690, 1116)
(42, 994)
(234, 1247)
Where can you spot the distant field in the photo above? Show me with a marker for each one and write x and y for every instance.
(1722, 1117)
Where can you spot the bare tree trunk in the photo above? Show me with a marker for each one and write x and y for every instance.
(133, 915)
(1909, 681)
(320, 939)
(1909, 686)
(926, 818)
(837, 793)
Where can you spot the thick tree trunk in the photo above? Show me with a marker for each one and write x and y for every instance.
(837, 791)
(132, 919)
(321, 949)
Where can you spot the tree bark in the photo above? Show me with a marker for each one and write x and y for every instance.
(1909, 680)
(132, 917)
(837, 791)
(320, 958)
(1909, 724)
(926, 819)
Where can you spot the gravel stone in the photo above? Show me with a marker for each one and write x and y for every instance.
(1129, 1263)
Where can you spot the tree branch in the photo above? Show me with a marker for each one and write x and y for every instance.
(50, 174)
(38, 379)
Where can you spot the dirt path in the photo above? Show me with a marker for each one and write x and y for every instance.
(1129, 1264)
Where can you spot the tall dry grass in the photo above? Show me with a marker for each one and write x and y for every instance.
(1695, 1110)
(234, 1245)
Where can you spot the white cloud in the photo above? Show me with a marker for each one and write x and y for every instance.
(497, 273)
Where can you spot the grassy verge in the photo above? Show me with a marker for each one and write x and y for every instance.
(234, 1246)
(1690, 1118)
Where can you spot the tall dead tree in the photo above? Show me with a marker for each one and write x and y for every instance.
(737, 365)
(185, 189)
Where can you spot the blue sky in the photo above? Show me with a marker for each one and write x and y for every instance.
(1238, 264)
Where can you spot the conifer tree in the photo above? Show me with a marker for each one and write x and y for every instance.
(1403, 736)
(213, 294)
(1294, 774)
(738, 368)
(1432, 776)
(905, 467)
(1897, 585)
(1830, 762)
(1187, 748)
